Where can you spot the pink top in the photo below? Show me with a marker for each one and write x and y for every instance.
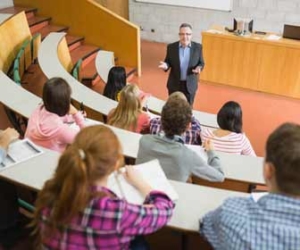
(143, 121)
(49, 130)
(233, 143)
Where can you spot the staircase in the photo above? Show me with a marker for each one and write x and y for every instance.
(77, 47)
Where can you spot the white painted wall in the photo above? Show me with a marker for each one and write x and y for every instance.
(6, 3)
(268, 15)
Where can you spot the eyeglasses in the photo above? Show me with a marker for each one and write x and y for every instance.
(185, 34)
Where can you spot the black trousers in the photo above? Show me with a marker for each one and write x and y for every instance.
(183, 88)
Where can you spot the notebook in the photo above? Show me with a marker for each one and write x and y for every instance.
(19, 151)
(151, 172)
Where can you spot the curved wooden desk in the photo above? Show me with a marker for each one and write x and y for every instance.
(104, 63)
(194, 201)
(237, 167)
(51, 65)
(254, 63)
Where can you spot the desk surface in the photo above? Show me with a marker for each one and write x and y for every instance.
(52, 67)
(4, 16)
(194, 201)
(17, 98)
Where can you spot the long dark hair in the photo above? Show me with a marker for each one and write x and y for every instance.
(57, 96)
(230, 117)
(115, 83)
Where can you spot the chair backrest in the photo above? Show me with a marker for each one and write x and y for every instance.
(104, 62)
(76, 71)
(35, 44)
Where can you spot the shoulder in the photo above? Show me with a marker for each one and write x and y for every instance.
(146, 138)
(206, 132)
(236, 208)
(196, 45)
(173, 45)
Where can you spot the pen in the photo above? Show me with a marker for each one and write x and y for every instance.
(82, 107)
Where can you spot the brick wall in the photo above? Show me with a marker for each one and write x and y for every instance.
(160, 22)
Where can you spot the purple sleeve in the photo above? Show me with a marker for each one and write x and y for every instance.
(155, 126)
(149, 217)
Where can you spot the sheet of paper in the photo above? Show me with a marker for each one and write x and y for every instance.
(151, 172)
(19, 151)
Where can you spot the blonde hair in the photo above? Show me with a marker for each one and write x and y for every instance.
(93, 155)
(177, 95)
(126, 114)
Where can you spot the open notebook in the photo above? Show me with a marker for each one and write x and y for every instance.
(19, 151)
(151, 172)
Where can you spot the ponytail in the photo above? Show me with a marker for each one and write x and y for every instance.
(93, 155)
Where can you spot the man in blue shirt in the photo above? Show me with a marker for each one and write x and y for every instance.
(273, 222)
(185, 60)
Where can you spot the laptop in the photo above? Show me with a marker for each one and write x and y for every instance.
(291, 31)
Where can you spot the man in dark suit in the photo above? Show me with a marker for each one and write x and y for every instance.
(185, 60)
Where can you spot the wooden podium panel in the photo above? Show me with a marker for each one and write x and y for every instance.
(252, 63)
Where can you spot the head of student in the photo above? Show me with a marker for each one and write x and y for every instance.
(126, 113)
(115, 83)
(57, 96)
(95, 153)
(176, 116)
(230, 117)
(185, 34)
(177, 95)
(282, 161)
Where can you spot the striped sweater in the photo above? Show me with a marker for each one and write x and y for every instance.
(233, 143)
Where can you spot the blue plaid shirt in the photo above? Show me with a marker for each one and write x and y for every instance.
(190, 136)
(272, 223)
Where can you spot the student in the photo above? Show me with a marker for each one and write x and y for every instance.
(192, 133)
(178, 161)
(273, 221)
(76, 210)
(46, 126)
(129, 114)
(115, 83)
(229, 138)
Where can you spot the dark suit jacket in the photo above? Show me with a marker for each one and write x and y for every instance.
(172, 59)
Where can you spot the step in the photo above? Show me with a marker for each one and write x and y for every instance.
(85, 52)
(50, 28)
(91, 82)
(74, 41)
(37, 22)
(89, 71)
(30, 12)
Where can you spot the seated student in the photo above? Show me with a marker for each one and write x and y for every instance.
(115, 83)
(129, 114)
(76, 210)
(11, 222)
(229, 138)
(177, 160)
(46, 126)
(190, 136)
(273, 222)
